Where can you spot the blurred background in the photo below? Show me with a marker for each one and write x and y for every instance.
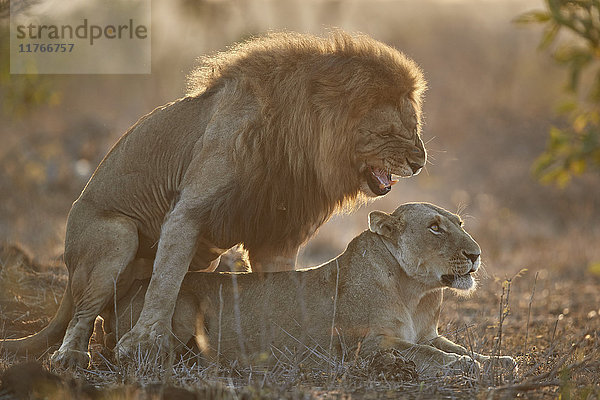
(491, 102)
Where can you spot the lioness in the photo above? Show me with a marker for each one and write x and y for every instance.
(274, 136)
(384, 291)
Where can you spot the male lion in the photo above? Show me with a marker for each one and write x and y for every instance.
(275, 135)
(384, 291)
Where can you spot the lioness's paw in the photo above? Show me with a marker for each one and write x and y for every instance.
(465, 365)
(155, 340)
(70, 359)
(505, 363)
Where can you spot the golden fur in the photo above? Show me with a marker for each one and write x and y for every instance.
(275, 135)
(384, 291)
(331, 84)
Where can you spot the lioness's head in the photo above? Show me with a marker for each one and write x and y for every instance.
(389, 145)
(430, 244)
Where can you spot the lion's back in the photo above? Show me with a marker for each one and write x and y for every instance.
(142, 173)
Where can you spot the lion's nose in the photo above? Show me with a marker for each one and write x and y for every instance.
(472, 256)
(416, 168)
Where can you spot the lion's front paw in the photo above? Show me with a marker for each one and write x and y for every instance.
(70, 359)
(465, 365)
(506, 363)
(146, 341)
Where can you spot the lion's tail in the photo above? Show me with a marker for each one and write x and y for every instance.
(53, 333)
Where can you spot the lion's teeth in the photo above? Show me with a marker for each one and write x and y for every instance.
(395, 178)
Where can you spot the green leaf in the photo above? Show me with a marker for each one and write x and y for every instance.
(594, 94)
(566, 107)
(558, 139)
(580, 123)
(570, 54)
(574, 75)
(535, 16)
(562, 179)
(549, 35)
(577, 167)
(590, 141)
(594, 268)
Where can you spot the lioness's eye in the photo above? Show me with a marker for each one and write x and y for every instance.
(435, 228)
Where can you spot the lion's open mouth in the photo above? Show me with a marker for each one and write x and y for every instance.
(380, 182)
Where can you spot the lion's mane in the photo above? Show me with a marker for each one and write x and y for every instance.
(294, 163)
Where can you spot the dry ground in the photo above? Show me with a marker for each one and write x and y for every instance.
(549, 321)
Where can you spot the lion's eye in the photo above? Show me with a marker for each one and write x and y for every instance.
(435, 228)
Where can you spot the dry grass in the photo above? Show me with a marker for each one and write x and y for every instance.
(561, 355)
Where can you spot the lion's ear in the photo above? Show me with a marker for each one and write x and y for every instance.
(382, 224)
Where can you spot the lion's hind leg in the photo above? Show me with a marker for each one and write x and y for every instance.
(96, 254)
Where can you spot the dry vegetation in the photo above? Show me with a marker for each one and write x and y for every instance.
(488, 110)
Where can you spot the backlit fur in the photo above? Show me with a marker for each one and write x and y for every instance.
(301, 153)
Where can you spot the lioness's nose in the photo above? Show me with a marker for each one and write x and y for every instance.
(472, 256)
(416, 168)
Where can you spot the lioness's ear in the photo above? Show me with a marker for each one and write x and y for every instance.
(381, 224)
